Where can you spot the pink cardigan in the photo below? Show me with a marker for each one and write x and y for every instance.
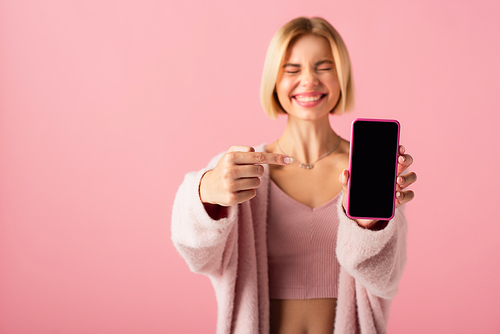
(232, 252)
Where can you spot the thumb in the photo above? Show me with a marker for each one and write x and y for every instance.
(344, 177)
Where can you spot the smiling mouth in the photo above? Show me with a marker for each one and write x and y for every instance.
(309, 98)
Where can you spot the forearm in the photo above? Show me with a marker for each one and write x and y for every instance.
(199, 238)
(374, 258)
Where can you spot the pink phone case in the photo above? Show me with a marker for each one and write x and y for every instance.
(350, 166)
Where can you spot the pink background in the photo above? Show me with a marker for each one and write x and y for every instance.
(105, 105)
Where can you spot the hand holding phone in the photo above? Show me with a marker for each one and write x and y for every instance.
(375, 173)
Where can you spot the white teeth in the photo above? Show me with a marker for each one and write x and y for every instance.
(308, 99)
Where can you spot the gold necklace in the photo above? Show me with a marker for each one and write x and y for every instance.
(311, 166)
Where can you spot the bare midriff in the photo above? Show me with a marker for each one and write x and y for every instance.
(302, 316)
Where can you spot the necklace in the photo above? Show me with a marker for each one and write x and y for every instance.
(311, 166)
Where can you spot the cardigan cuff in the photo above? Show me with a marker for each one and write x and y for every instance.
(199, 207)
(361, 241)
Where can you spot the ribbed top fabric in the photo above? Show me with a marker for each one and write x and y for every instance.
(301, 245)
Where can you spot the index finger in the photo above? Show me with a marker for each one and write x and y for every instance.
(250, 158)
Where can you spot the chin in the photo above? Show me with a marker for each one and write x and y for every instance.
(311, 118)
(309, 115)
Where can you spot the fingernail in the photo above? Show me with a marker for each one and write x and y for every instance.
(398, 194)
(402, 158)
(400, 179)
(288, 160)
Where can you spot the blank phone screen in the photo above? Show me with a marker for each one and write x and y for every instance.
(374, 152)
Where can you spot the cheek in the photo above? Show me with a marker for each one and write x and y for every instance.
(284, 89)
(333, 82)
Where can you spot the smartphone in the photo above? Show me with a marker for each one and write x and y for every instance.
(373, 163)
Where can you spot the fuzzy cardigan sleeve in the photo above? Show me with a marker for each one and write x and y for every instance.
(201, 240)
(376, 259)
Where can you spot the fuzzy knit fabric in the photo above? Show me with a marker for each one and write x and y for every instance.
(232, 252)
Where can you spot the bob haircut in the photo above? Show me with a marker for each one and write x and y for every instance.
(276, 54)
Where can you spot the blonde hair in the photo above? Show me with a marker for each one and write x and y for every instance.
(276, 53)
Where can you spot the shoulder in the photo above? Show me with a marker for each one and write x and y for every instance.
(340, 158)
(345, 146)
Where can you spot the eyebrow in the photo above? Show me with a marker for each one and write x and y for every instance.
(316, 64)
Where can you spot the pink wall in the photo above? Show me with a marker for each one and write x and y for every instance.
(105, 105)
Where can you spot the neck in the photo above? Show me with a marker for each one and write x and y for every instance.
(306, 141)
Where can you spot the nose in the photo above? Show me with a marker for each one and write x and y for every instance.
(309, 79)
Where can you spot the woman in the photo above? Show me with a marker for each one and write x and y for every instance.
(267, 225)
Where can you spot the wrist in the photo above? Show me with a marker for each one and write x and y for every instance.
(378, 225)
(215, 211)
(374, 225)
(202, 189)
